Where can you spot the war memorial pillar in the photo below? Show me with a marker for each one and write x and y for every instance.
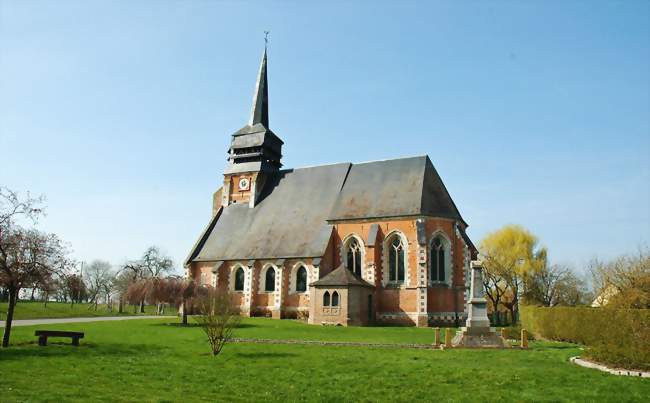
(477, 332)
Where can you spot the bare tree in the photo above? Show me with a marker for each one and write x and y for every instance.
(152, 265)
(495, 289)
(48, 286)
(623, 282)
(99, 278)
(217, 317)
(542, 286)
(155, 264)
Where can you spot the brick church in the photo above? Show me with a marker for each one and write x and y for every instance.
(343, 244)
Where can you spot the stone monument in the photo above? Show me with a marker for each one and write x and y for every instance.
(477, 332)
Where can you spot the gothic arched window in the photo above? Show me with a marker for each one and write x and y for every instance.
(239, 279)
(437, 259)
(335, 298)
(326, 298)
(396, 259)
(353, 254)
(301, 279)
(269, 281)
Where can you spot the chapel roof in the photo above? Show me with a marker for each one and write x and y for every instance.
(297, 208)
(341, 276)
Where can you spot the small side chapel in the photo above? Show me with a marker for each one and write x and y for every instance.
(343, 244)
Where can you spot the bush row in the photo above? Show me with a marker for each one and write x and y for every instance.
(620, 337)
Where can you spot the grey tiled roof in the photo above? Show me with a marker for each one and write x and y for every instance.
(294, 217)
(341, 277)
(289, 221)
(394, 188)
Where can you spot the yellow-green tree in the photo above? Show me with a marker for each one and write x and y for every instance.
(511, 253)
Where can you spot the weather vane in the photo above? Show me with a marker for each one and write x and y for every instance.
(266, 38)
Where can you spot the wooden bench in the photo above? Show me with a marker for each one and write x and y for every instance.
(44, 334)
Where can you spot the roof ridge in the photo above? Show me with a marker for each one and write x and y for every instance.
(363, 162)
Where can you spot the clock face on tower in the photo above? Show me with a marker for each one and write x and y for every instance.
(244, 184)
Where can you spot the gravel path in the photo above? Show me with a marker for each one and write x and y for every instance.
(32, 322)
(335, 343)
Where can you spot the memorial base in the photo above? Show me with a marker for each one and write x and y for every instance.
(482, 337)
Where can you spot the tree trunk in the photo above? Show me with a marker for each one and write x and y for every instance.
(513, 318)
(47, 297)
(120, 306)
(31, 298)
(142, 306)
(13, 299)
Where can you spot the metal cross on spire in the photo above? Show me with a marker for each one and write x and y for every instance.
(266, 38)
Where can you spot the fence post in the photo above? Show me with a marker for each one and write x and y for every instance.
(524, 338)
(448, 337)
(504, 332)
(436, 336)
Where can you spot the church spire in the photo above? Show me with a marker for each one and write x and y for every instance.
(260, 110)
(254, 147)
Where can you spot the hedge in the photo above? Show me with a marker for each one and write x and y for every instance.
(619, 337)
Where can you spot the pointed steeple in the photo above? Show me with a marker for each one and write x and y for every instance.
(254, 147)
(260, 109)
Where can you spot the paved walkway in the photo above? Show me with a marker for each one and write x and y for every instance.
(32, 322)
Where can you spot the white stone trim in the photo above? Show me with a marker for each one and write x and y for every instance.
(613, 371)
(278, 299)
(248, 288)
(292, 277)
(215, 279)
(231, 277)
(384, 260)
(362, 247)
(422, 279)
(466, 269)
(449, 261)
(262, 279)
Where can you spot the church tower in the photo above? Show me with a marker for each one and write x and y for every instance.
(255, 151)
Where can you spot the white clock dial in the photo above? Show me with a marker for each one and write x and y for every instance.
(244, 184)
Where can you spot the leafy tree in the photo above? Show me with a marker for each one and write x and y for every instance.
(73, 287)
(27, 256)
(511, 253)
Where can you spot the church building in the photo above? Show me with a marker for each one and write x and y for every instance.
(343, 244)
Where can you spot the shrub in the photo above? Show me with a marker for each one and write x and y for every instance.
(217, 318)
(620, 337)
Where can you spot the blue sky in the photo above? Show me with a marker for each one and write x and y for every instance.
(535, 113)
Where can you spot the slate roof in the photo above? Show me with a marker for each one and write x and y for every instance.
(295, 216)
(288, 221)
(394, 188)
(341, 277)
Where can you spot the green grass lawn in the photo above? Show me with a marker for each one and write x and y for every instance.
(152, 360)
(37, 310)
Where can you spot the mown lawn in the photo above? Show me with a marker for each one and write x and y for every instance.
(38, 310)
(152, 360)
